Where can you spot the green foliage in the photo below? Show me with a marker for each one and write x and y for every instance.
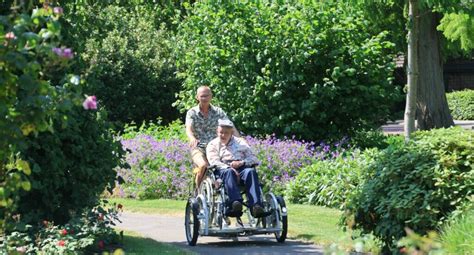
(174, 130)
(414, 243)
(461, 104)
(272, 66)
(373, 138)
(459, 27)
(33, 90)
(71, 167)
(457, 237)
(329, 182)
(127, 55)
(415, 185)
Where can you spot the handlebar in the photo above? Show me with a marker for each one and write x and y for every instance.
(202, 145)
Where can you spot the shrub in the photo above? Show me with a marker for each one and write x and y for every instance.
(461, 104)
(34, 90)
(373, 138)
(127, 55)
(174, 130)
(71, 167)
(415, 185)
(329, 182)
(86, 233)
(274, 65)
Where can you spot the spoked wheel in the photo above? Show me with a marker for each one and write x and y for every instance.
(208, 192)
(282, 214)
(278, 219)
(191, 221)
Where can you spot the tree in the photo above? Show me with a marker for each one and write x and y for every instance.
(432, 107)
(412, 71)
(426, 100)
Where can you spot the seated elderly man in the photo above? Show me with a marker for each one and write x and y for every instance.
(235, 165)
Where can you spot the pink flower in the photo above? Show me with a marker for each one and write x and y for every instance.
(90, 103)
(10, 36)
(64, 232)
(61, 243)
(101, 244)
(21, 250)
(58, 10)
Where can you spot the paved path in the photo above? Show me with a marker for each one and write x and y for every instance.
(396, 127)
(170, 230)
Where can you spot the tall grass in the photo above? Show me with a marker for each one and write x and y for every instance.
(457, 237)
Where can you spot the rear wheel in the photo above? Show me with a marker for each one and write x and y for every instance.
(191, 221)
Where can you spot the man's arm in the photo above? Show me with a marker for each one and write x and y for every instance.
(250, 158)
(212, 154)
(193, 141)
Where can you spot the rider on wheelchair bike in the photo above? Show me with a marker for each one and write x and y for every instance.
(235, 165)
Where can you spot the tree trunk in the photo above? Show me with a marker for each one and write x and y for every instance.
(412, 68)
(432, 106)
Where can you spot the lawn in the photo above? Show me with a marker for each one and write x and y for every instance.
(134, 243)
(313, 223)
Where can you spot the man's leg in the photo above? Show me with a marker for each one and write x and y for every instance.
(230, 185)
(199, 159)
(252, 188)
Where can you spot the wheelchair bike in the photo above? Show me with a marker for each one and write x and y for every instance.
(205, 214)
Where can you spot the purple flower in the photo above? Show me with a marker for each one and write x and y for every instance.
(58, 51)
(67, 53)
(63, 53)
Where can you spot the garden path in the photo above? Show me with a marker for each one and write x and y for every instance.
(396, 127)
(170, 229)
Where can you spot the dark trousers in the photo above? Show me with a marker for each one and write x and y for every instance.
(249, 178)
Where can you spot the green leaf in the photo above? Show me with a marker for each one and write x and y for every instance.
(24, 166)
(26, 185)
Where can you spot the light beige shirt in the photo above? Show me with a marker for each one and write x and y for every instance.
(221, 155)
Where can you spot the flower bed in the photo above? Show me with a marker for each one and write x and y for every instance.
(162, 168)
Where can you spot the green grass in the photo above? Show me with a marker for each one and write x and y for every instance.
(458, 236)
(312, 223)
(317, 224)
(135, 244)
(152, 206)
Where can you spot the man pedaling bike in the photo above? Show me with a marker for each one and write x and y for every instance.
(201, 124)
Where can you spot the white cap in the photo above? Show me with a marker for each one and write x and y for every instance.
(225, 123)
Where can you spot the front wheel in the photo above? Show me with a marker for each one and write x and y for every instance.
(282, 214)
(191, 221)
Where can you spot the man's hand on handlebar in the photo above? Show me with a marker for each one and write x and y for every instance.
(237, 164)
(193, 143)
